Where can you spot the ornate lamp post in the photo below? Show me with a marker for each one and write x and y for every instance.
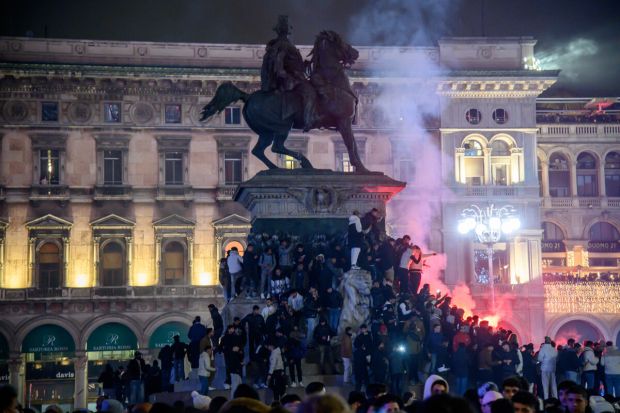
(488, 224)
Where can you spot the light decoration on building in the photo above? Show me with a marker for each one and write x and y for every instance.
(489, 224)
(82, 281)
(205, 278)
(586, 297)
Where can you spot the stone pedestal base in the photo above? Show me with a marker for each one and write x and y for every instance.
(309, 202)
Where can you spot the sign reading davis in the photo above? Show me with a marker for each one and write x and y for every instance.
(112, 337)
(48, 338)
(164, 334)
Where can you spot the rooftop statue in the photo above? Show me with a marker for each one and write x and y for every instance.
(297, 94)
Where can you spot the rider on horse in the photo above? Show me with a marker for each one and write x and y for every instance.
(283, 70)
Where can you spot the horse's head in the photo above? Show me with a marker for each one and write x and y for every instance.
(329, 44)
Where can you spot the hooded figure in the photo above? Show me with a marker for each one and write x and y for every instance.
(430, 383)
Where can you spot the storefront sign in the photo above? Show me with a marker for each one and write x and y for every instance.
(604, 246)
(112, 337)
(165, 333)
(553, 246)
(50, 371)
(48, 338)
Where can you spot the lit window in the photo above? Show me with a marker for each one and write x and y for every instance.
(473, 148)
(174, 264)
(290, 162)
(49, 162)
(49, 111)
(49, 266)
(232, 115)
(559, 176)
(345, 163)
(172, 113)
(112, 112)
(173, 168)
(473, 116)
(500, 116)
(233, 168)
(112, 265)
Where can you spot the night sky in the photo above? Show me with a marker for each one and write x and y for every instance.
(580, 37)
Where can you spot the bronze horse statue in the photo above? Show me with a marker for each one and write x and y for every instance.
(265, 113)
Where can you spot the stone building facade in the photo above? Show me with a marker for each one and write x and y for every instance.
(116, 202)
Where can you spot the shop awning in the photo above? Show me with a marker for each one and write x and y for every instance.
(4, 348)
(112, 337)
(164, 334)
(48, 338)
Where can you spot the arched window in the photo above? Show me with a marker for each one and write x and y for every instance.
(500, 162)
(49, 266)
(174, 263)
(474, 163)
(552, 232)
(612, 174)
(586, 175)
(231, 244)
(113, 265)
(604, 232)
(559, 176)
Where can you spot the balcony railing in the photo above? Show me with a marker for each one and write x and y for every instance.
(175, 193)
(225, 193)
(112, 193)
(564, 130)
(49, 193)
(158, 291)
(495, 191)
(580, 202)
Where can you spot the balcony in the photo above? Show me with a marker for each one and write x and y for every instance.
(113, 193)
(183, 193)
(225, 193)
(580, 202)
(593, 130)
(495, 191)
(49, 193)
(59, 294)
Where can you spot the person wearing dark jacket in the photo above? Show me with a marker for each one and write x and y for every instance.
(332, 300)
(179, 350)
(398, 368)
(231, 345)
(508, 360)
(362, 348)
(256, 327)
(379, 364)
(107, 380)
(460, 368)
(195, 334)
(322, 337)
(386, 262)
(165, 357)
(218, 322)
(312, 306)
(135, 369)
(250, 270)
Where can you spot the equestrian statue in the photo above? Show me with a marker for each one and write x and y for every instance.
(297, 94)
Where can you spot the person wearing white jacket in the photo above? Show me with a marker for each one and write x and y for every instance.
(589, 365)
(547, 357)
(611, 362)
(204, 370)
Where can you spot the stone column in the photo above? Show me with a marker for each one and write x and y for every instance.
(96, 244)
(573, 178)
(16, 375)
(80, 364)
(190, 259)
(66, 244)
(158, 240)
(459, 165)
(545, 179)
(602, 191)
(31, 258)
(488, 174)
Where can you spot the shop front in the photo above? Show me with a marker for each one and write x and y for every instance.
(50, 372)
(113, 344)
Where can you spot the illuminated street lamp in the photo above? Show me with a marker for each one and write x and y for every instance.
(489, 224)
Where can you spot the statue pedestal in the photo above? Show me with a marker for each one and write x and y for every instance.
(306, 202)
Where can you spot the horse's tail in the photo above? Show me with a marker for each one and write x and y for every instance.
(225, 94)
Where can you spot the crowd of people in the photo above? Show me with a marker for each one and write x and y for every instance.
(573, 118)
(418, 351)
(577, 278)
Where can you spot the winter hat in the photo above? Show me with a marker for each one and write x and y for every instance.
(200, 402)
(491, 396)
